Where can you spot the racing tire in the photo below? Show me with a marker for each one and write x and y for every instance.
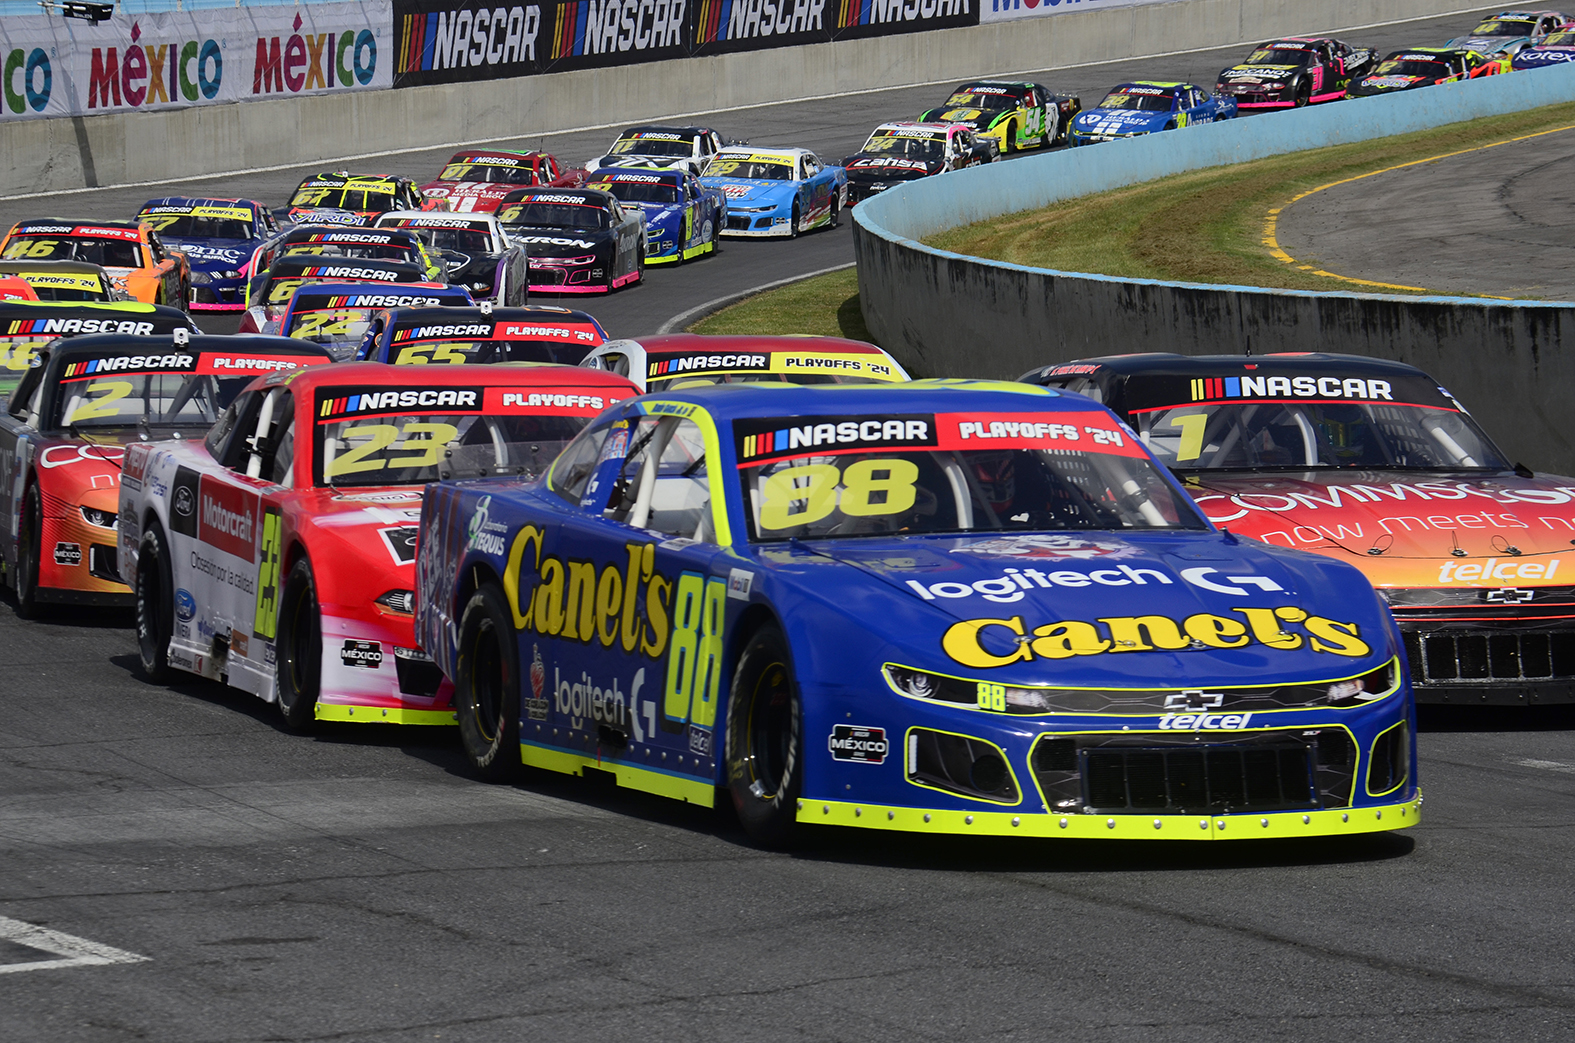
(1009, 139)
(835, 219)
(765, 741)
(29, 550)
(299, 645)
(487, 687)
(1303, 96)
(794, 221)
(155, 605)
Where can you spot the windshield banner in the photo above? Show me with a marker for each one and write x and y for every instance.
(174, 60)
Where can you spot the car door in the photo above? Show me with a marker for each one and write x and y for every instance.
(640, 673)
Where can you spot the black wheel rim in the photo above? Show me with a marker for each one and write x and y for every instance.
(149, 600)
(771, 728)
(487, 681)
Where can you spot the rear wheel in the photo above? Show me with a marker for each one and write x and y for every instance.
(300, 648)
(29, 549)
(765, 742)
(155, 599)
(487, 687)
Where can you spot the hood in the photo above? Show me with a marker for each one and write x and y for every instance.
(1486, 44)
(557, 242)
(1258, 73)
(749, 193)
(1380, 84)
(974, 119)
(874, 166)
(1135, 610)
(376, 528)
(1119, 121)
(330, 216)
(470, 197)
(208, 255)
(1409, 530)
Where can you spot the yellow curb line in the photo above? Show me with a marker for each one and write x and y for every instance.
(1271, 225)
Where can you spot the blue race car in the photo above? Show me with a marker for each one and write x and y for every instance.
(776, 191)
(1554, 49)
(682, 216)
(941, 607)
(1509, 32)
(1143, 107)
(218, 237)
(337, 316)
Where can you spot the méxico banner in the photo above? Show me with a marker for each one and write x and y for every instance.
(65, 67)
(446, 41)
(1006, 10)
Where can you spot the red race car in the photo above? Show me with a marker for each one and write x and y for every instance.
(62, 441)
(278, 554)
(476, 180)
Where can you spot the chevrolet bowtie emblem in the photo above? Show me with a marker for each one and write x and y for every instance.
(1194, 700)
(1510, 596)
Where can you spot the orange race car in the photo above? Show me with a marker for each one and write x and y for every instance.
(15, 288)
(137, 262)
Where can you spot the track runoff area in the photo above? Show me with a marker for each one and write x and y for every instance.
(179, 868)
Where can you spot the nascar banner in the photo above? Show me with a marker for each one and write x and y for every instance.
(1007, 10)
(445, 41)
(170, 60)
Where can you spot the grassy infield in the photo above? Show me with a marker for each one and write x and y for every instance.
(1203, 226)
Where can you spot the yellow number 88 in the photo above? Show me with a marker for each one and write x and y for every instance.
(869, 487)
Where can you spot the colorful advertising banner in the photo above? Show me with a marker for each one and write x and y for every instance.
(446, 41)
(57, 66)
(1007, 10)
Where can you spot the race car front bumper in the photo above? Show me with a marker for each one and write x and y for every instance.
(758, 223)
(1272, 826)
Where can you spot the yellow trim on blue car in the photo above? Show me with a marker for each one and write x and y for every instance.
(381, 714)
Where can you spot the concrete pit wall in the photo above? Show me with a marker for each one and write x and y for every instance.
(944, 314)
(126, 148)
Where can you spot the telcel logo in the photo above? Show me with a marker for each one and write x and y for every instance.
(1204, 722)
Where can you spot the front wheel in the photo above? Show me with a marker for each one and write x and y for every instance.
(487, 687)
(765, 742)
(836, 212)
(155, 599)
(300, 648)
(29, 549)
(793, 225)
(1303, 95)
(1008, 139)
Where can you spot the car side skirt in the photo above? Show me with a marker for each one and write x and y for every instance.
(1271, 826)
(636, 777)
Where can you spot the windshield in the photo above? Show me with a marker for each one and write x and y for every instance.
(965, 99)
(498, 175)
(1141, 99)
(111, 253)
(749, 169)
(1560, 39)
(1279, 56)
(16, 358)
(1427, 69)
(331, 325)
(670, 145)
(690, 380)
(833, 477)
(457, 237)
(1404, 423)
(189, 226)
(369, 251)
(1505, 27)
(908, 147)
(448, 437)
(156, 399)
(555, 215)
(375, 199)
(639, 191)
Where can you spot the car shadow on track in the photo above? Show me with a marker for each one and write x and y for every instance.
(81, 617)
(1435, 718)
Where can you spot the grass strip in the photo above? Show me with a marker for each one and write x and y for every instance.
(825, 306)
(1207, 226)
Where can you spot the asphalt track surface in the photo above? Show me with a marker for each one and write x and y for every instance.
(358, 885)
(1493, 221)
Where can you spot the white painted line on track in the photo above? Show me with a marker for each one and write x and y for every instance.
(1558, 766)
(74, 951)
(701, 112)
(677, 323)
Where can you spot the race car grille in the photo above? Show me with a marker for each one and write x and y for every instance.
(542, 276)
(417, 677)
(959, 764)
(1273, 772)
(1482, 657)
(738, 222)
(104, 562)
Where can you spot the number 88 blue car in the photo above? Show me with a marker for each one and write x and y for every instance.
(939, 607)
